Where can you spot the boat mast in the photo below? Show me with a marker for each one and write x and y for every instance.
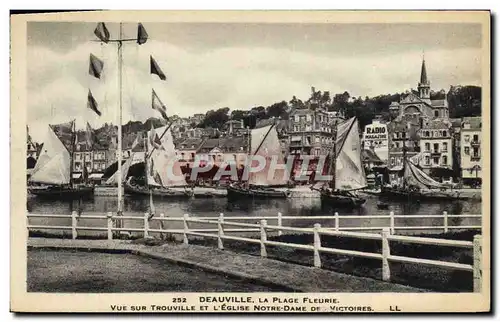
(249, 150)
(120, 153)
(333, 158)
(71, 152)
(404, 157)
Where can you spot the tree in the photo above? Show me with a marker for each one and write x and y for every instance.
(216, 119)
(277, 110)
(238, 114)
(296, 103)
(464, 101)
(259, 112)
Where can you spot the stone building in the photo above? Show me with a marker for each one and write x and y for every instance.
(436, 144)
(310, 131)
(470, 147)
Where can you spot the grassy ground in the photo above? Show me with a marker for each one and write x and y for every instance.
(48, 271)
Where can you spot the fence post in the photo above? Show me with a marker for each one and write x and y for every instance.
(280, 224)
(74, 224)
(477, 265)
(186, 228)
(220, 231)
(386, 271)
(317, 245)
(146, 225)
(391, 214)
(162, 226)
(445, 221)
(337, 227)
(109, 216)
(263, 238)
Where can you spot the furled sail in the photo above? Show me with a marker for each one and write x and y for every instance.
(54, 164)
(349, 172)
(415, 176)
(265, 143)
(166, 170)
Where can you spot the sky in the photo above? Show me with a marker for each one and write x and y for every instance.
(238, 65)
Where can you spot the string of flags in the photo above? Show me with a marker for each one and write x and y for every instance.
(96, 67)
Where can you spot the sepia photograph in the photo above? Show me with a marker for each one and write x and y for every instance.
(250, 162)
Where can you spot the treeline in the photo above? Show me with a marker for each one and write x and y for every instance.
(462, 101)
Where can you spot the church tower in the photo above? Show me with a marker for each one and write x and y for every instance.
(424, 86)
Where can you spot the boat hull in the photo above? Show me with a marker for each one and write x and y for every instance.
(158, 192)
(339, 200)
(409, 195)
(60, 193)
(256, 193)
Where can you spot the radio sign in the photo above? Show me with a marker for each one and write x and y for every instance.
(376, 133)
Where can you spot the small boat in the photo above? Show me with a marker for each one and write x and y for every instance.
(349, 173)
(418, 186)
(258, 192)
(161, 192)
(264, 142)
(382, 206)
(52, 176)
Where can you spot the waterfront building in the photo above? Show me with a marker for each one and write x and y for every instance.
(436, 146)
(310, 131)
(470, 147)
(375, 138)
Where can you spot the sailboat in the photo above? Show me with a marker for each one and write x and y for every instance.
(349, 174)
(162, 170)
(419, 186)
(263, 142)
(52, 175)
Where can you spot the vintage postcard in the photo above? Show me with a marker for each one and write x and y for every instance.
(258, 161)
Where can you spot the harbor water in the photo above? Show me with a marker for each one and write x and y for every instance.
(310, 207)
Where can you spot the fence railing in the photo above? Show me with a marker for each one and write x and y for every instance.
(221, 224)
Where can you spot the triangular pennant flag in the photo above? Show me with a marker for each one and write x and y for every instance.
(142, 35)
(154, 140)
(102, 32)
(158, 105)
(95, 66)
(137, 140)
(155, 69)
(92, 104)
(89, 136)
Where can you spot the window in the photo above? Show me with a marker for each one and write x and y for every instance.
(445, 133)
(475, 152)
(296, 118)
(396, 144)
(445, 147)
(436, 113)
(427, 134)
(467, 138)
(427, 147)
(435, 160)
(427, 160)
(392, 161)
(436, 147)
(466, 150)
(445, 160)
(475, 138)
(192, 156)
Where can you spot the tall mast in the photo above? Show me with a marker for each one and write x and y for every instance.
(333, 158)
(404, 155)
(71, 152)
(249, 151)
(120, 153)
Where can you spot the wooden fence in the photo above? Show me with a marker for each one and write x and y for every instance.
(222, 223)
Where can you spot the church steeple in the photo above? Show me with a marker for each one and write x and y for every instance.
(423, 74)
(424, 86)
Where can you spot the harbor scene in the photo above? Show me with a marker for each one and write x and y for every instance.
(343, 187)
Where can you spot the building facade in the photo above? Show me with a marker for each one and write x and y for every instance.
(470, 147)
(421, 125)
(436, 144)
(310, 131)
